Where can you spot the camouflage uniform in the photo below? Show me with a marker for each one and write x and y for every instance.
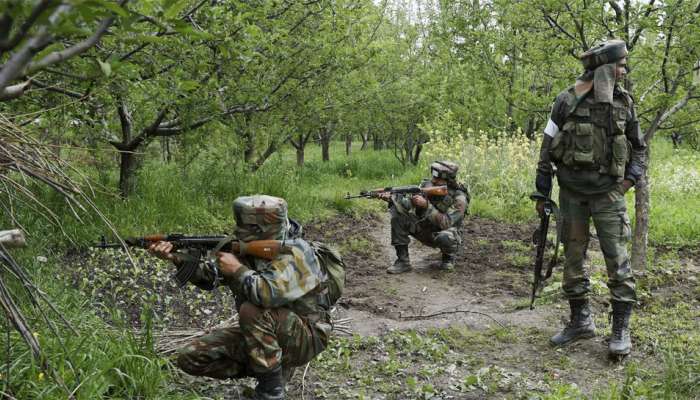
(283, 313)
(439, 225)
(594, 146)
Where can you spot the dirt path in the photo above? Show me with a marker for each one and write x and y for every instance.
(379, 302)
(491, 279)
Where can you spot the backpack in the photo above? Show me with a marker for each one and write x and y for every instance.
(334, 267)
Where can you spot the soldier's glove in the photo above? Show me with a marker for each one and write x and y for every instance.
(539, 207)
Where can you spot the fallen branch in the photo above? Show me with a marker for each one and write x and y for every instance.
(427, 316)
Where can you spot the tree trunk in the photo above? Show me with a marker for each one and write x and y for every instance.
(127, 173)
(325, 148)
(641, 232)
(325, 137)
(165, 147)
(348, 144)
(300, 156)
(248, 140)
(378, 143)
(416, 154)
(365, 140)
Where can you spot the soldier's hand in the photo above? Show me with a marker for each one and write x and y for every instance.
(539, 207)
(162, 250)
(626, 185)
(228, 263)
(419, 201)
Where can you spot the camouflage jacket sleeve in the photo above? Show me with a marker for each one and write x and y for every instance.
(280, 281)
(543, 177)
(453, 216)
(637, 164)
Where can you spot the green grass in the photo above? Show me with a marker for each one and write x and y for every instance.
(109, 362)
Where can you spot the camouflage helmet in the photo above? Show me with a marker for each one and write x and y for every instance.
(604, 53)
(260, 217)
(444, 169)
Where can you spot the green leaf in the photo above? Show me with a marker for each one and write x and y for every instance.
(105, 67)
(175, 9)
(113, 7)
(189, 85)
(189, 31)
(48, 50)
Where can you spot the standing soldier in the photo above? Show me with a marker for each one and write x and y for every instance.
(283, 304)
(435, 221)
(593, 139)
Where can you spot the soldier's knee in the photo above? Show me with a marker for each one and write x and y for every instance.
(248, 313)
(446, 240)
(186, 361)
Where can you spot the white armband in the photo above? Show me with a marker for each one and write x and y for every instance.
(551, 129)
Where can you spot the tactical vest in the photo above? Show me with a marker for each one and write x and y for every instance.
(443, 203)
(593, 136)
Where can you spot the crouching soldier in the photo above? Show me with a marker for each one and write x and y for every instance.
(435, 221)
(283, 303)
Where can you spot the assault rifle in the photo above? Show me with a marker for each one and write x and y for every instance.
(412, 189)
(267, 249)
(539, 239)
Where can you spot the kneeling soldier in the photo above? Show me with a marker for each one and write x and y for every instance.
(435, 221)
(282, 305)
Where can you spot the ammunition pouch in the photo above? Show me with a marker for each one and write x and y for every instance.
(593, 138)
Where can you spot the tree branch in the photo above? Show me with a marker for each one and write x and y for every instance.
(50, 88)
(618, 11)
(14, 91)
(554, 25)
(676, 107)
(76, 49)
(638, 33)
(17, 63)
(667, 47)
(24, 28)
(579, 28)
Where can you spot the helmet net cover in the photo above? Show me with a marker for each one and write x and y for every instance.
(603, 53)
(444, 169)
(260, 217)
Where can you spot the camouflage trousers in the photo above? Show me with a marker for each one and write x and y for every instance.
(403, 226)
(265, 339)
(609, 215)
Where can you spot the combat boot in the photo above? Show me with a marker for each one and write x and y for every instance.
(402, 263)
(620, 342)
(448, 262)
(580, 326)
(270, 385)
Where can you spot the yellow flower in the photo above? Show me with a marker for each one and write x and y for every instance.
(41, 376)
